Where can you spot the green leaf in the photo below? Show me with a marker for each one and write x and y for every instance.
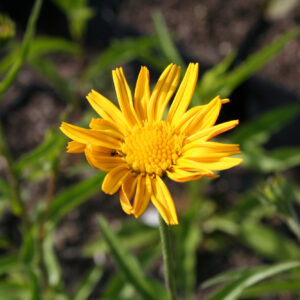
(5, 190)
(223, 84)
(14, 70)
(277, 160)
(9, 263)
(78, 14)
(14, 290)
(73, 196)
(268, 242)
(207, 84)
(78, 19)
(36, 293)
(256, 61)
(49, 70)
(258, 131)
(8, 60)
(88, 283)
(44, 45)
(273, 287)
(45, 153)
(28, 251)
(132, 235)
(126, 262)
(284, 158)
(228, 276)
(234, 289)
(120, 52)
(188, 236)
(167, 45)
(52, 265)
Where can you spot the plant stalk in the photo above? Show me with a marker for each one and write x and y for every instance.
(167, 258)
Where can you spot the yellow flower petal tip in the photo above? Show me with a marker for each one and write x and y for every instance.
(137, 146)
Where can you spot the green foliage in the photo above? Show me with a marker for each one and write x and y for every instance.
(247, 278)
(127, 263)
(14, 70)
(78, 14)
(88, 283)
(167, 46)
(72, 197)
(221, 81)
(255, 133)
(119, 53)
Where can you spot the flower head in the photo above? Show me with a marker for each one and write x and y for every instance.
(137, 146)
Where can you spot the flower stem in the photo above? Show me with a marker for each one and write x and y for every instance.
(167, 257)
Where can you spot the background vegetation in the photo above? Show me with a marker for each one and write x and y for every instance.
(239, 236)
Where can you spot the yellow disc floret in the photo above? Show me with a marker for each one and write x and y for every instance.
(153, 148)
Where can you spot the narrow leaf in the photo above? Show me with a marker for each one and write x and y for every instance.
(259, 130)
(234, 289)
(126, 262)
(14, 70)
(74, 196)
(167, 45)
(88, 283)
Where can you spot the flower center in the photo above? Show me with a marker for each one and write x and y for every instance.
(153, 148)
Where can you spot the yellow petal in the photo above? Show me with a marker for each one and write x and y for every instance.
(184, 94)
(86, 136)
(106, 109)
(114, 179)
(142, 94)
(205, 118)
(180, 175)
(142, 197)
(163, 201)
(108, 127)
(124, 97)
(75, 147)
(188, 116)
(163, 91)
(103, 162)
(209, 133)
(212, 146)
(196, 164)
(127, 191)
(208, 151)
(189, 164)
(99, 150)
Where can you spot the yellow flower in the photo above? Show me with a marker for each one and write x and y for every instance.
(137, 146)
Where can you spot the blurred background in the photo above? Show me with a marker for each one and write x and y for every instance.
(248, 50)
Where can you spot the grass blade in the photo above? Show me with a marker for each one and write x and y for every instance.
(126, 262)
(14, 70)
(74, 196)
(166, 42)
(234, 289)
(88, 283)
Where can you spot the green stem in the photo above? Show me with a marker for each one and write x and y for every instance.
(167, 257)
(293, 222)
(14, 70)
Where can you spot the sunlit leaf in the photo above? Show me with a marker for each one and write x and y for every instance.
(88, 283)
(224, 84)
(166, 42)
(268, 242)
(128, 265)
(233, 290)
